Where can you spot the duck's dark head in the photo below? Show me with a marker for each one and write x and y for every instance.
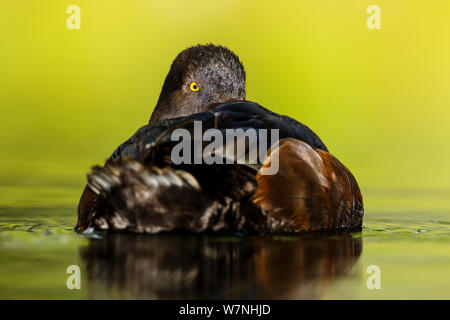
(200, 77)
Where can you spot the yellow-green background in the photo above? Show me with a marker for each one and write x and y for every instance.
(380, 100)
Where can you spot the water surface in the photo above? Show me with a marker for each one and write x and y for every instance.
(38, 244)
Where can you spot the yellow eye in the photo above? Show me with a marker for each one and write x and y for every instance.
(193, 86)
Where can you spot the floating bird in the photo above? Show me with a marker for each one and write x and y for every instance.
(141, 189)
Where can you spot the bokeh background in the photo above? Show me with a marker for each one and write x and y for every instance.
(380, 100)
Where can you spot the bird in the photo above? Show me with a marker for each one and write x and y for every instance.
(142, 189)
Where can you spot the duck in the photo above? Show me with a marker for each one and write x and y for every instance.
(143, 189)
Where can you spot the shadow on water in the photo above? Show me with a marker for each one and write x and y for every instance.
(216, 267)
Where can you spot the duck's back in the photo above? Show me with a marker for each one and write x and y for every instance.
(141, 190)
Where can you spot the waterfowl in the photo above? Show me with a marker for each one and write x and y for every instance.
(141, 189)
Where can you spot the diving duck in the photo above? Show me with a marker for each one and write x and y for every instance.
(141, 189)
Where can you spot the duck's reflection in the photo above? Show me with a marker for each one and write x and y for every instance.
(215, 267)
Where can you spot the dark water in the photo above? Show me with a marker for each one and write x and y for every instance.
(38, 244)
(166, 267)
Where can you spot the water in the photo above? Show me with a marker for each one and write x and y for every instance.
(37, 246)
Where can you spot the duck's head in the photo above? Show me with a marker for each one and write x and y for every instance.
(199, 78)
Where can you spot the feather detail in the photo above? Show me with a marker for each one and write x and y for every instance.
(312, 190)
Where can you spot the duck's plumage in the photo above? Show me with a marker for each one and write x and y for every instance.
(232, 115)
(141, 190)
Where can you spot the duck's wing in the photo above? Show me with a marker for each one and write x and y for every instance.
(130, 149)
(141, 199)
(312, 191)
(144, 193)
(133, 196)
(238, 115)
(222, 188)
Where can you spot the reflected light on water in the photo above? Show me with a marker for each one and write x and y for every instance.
(216, 267)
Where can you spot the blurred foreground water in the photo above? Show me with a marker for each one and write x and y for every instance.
(37, 246)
